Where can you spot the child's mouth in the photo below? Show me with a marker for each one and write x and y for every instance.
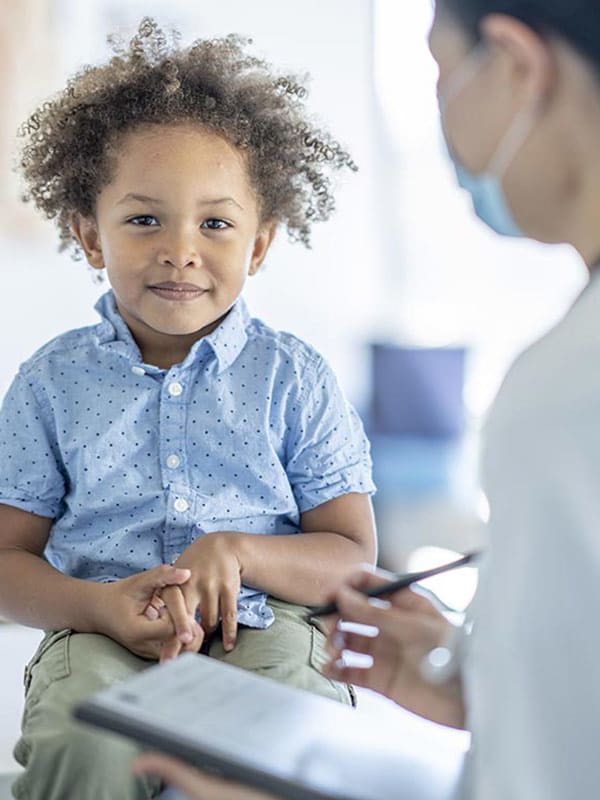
(177, 291)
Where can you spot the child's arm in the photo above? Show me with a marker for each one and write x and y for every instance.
(33, 593)
(300, 568)
(306, 569)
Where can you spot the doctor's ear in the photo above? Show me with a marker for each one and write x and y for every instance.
(85, 230)
(262, 243)
(530, 57)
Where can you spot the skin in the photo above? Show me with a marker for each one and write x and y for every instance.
(203, 227)
(524, 74)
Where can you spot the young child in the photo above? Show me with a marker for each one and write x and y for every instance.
(145, 458)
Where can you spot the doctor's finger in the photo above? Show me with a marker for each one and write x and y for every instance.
(338, 670)
(195, 784)
(367, 577)
(417, 600)
(354, 606)
(356, 642)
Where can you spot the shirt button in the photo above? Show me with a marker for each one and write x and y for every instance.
(138, 370)
(175, 389)
(173, 461)
(181, 505)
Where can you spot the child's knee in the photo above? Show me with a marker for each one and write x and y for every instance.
(79, 764)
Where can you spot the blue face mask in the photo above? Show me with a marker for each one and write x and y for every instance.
(487, 194)
(489, 200)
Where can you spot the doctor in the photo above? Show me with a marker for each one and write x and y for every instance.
(519, 89)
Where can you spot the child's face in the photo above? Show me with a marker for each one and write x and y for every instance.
(178, 230)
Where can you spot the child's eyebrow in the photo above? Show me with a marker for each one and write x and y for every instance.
(145, 199)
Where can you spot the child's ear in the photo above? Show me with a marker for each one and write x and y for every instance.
(85, 230)
(263, 241)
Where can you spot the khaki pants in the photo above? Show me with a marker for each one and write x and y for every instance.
(66, 760)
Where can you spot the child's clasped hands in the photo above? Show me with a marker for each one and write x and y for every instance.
(195, 607)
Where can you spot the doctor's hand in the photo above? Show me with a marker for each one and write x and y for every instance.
(194, 784)
(213, 588)
(408, 627)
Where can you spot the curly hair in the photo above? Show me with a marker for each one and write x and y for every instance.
(66, 159)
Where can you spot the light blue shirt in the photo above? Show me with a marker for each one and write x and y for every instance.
(133, 463)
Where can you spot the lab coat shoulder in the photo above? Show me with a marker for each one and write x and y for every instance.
(555, 383)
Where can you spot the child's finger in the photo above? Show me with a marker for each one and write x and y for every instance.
(209, 611)
(151, 613)
(159, 629)
(147, 583)
(229, 623)
(157, 602)
(176, 605)
(170, 649)
(153, 609)
(196, 643)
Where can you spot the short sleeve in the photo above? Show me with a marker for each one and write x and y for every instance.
(30, 476)
(328, 452)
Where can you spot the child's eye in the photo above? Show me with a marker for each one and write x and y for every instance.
(215, 224)
(144, 221)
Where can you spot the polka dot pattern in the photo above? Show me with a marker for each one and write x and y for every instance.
(133, 462)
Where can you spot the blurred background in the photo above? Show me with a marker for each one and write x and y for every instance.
(417, 306)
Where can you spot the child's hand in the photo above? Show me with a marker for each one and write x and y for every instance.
(188, 635)
(213, 588)
(122, 614)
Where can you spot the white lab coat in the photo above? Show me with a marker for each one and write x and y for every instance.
(532, 670)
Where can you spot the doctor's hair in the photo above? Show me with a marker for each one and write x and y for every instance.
(69, 142)
(575, 21)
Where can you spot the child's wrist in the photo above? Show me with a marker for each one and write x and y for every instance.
(91, 603)
(238, 544)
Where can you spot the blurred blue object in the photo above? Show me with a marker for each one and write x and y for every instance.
(417, 391)
(413, 466)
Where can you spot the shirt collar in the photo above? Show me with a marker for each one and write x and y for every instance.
(226, 342)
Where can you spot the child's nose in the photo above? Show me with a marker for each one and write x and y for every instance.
(179, 257)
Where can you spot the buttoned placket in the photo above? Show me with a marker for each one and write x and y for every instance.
(174, 398)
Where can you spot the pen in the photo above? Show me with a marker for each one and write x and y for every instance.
(401, 582)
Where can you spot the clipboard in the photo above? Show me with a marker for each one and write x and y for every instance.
(286, 741)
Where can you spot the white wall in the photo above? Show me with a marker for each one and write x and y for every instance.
(330, 295)
(451, 280)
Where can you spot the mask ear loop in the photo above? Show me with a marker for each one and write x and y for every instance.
(462, 75)
(519, 129)
(512, 142)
